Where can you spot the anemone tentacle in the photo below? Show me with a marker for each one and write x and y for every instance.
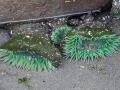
(35, 64)
(89, 44)
(31, 52)
(59, 33)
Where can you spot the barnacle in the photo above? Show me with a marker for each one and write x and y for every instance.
(30, 52)
(88, 43)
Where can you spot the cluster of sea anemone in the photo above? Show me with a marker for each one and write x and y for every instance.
(36, 53)
(87, 43)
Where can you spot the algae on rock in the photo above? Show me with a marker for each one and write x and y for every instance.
(89, 43)
(38, 48)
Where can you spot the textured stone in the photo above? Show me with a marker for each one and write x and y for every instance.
(13, 10)
(115, 17)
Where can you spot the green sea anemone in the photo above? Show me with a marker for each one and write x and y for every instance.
(59, 33)
(26, 60)
(30, 52)
(88, 43)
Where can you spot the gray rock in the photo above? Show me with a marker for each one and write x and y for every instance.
(32, 9)
(4, 36)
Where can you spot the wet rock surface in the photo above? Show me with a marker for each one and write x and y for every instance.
(4, 36)
(29, 9)
(115, 17)
(100, 20)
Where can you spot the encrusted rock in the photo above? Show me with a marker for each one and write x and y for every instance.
(31, 9)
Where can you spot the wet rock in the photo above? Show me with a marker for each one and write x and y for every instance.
(116, 26)
(73, 21)
(115, 10)
(87, 18)
(28, 28)
(30, 9)
(115, 17)
(4, 36)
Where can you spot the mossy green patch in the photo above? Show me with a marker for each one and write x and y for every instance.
(24, 81)
(31, 52)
